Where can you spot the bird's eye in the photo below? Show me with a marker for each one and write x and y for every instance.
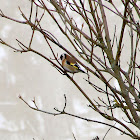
(61, 57)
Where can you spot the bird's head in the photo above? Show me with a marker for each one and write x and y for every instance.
(63, 56)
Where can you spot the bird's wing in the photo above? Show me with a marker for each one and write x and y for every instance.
(75, 65)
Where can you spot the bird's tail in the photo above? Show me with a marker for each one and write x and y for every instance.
(82, 71)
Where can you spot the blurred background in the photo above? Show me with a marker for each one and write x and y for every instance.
(32, 77)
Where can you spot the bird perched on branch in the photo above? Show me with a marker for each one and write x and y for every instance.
(70, 64)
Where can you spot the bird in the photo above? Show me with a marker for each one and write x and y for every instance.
(69, 64)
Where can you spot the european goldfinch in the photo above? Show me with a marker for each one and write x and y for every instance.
(70, 64)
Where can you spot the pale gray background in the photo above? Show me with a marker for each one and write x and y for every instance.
(31, 76)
